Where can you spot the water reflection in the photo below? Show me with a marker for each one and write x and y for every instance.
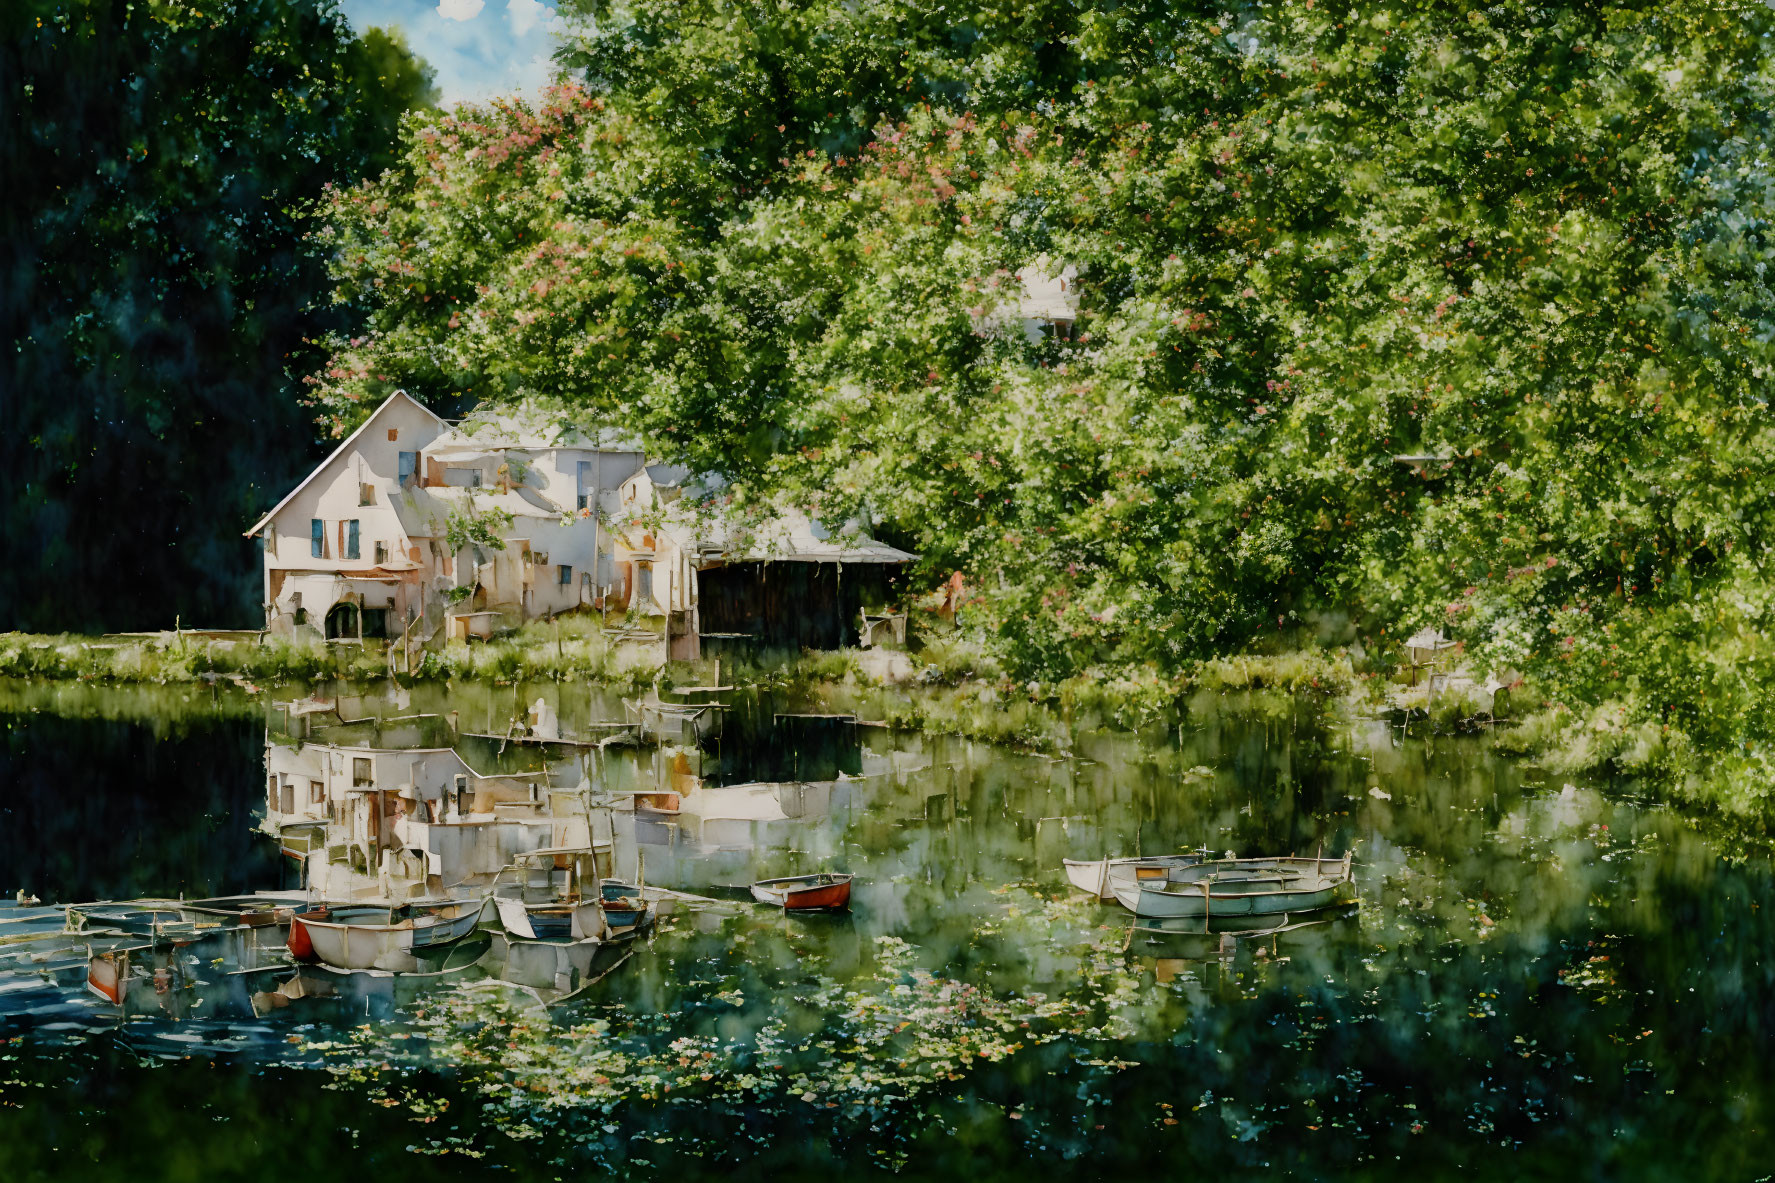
(1537, 977)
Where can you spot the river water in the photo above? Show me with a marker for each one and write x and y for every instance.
(1541, 979)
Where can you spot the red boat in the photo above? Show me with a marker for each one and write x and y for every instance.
(301, 948)
(824, 891)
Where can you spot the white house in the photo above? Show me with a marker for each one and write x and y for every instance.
(415, 528)
(343, 554)
(547, 489)
(379, 541)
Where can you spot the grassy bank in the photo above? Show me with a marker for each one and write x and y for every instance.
(954, 687)
(571, 649)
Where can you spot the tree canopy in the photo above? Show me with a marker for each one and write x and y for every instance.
(1523, 244)
(157, 290)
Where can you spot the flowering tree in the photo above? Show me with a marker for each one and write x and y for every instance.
(1522, 245)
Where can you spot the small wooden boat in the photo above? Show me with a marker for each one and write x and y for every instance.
(672, 722)
(380, 936)
(575, 920)
(1094, 876)
(249, 911)
(626, 910)
(155, 918)
(1239, 887)
(553, 894)
(827, 891)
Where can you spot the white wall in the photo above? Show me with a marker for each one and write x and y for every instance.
(333, 496)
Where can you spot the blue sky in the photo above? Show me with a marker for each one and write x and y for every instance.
(480, 48)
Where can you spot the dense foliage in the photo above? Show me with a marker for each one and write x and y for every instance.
(1524, 243)
(156, 289)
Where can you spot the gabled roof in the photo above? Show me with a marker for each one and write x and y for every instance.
(340, 451)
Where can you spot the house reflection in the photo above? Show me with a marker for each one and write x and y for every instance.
(766, 815)
(415, 806)
(403, 823)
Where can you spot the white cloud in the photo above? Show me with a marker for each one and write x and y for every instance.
(528, 15)
(476, 60)
(531, 78)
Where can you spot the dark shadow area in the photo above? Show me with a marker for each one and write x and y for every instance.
(96, 809)
(794, 605)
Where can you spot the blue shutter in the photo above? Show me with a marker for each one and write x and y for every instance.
(317, 538)
(409, 468)
(351, 551)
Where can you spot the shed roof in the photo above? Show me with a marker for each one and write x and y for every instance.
(793, 537)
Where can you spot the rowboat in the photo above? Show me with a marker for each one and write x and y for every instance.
(379, 936)
(1093, 876)
(250, 911)
(1239, 887)
(626, 910)
(544, 895)
(822, 891)
(137, 917)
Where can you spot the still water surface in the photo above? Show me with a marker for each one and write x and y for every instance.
(1540, 980)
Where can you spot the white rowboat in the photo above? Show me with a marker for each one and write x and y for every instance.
(1239, 887)
(1093, 876)
(358, 936)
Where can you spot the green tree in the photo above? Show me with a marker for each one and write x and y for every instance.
(390, 81)
(157, 295)
(1523, 243)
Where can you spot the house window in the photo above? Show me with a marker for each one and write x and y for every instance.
(566, 575)
(644, 580)
(351, 543)
(381, 553)
(360, 771)
(317, 539)
(394, 433)
(316, 793)
(409, 468)
(467, 478)
(271, 793)
(461, 795)
(366, 494)
(588, 485)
